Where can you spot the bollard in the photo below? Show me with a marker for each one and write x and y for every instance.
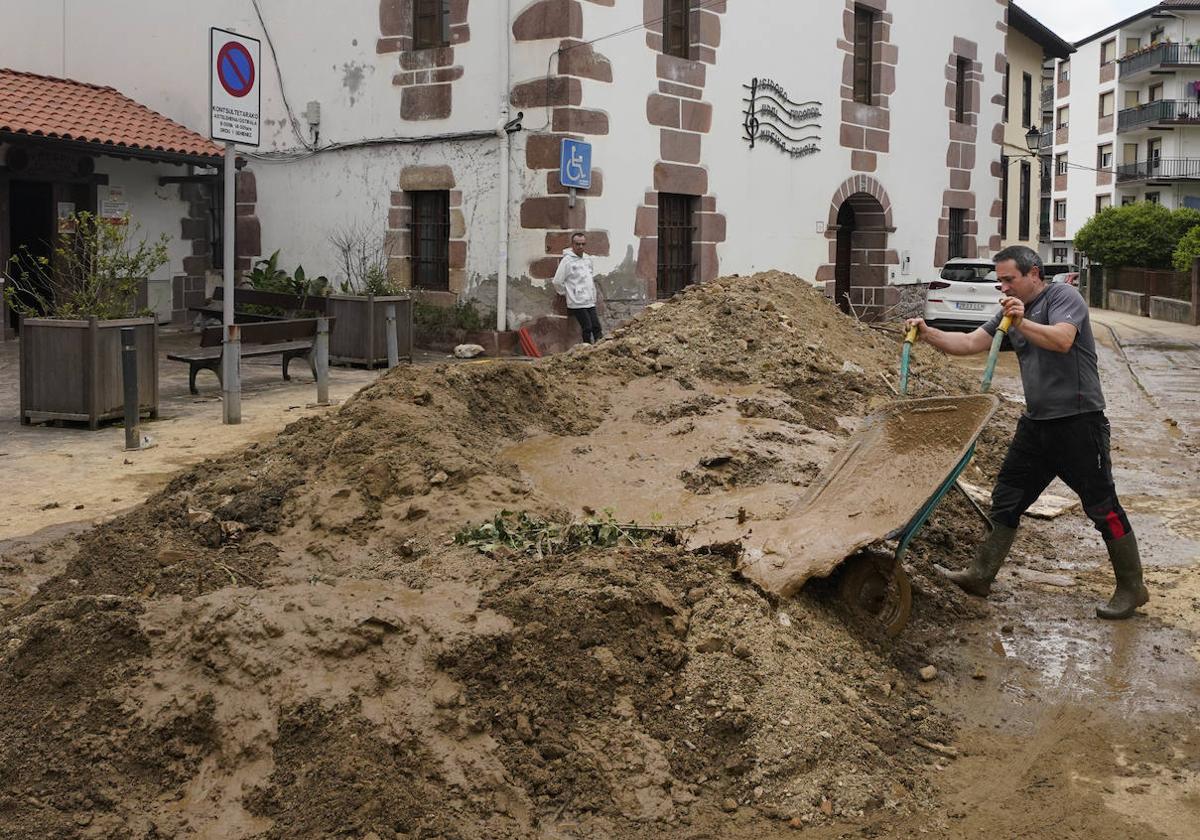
(129, 375)
(393, 348)
(231, 386)
(322, 361)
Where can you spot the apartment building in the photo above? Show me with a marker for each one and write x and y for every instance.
(852, 143)
(1030, 45)
(1127, 119)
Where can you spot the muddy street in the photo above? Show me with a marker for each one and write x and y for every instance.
(511, 600)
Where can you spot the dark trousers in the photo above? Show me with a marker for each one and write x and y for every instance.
(589, 324)
(1075, 449)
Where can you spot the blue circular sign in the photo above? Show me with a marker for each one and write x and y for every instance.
(235, 69)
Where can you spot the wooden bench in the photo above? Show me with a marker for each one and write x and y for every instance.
(290, 339)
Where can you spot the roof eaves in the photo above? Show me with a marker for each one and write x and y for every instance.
(1052, 45)
(1166, 5)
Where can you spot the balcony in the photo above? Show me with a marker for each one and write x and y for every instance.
(1159, 58)
(1162, 112)
(1048, 98)
(1159, 169)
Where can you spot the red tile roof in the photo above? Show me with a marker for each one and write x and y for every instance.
(63, 109)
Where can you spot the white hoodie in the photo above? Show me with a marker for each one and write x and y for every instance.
(574, 279)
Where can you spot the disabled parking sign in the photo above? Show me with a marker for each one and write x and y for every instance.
(236, 95)
(575, 168)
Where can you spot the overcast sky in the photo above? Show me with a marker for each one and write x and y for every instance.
(1075, 19)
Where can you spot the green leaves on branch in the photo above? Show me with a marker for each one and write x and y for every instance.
(1188, 250)
(1142, 235)
(525, 533)
(95, 270)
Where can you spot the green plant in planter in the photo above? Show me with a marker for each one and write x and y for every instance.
(94, 271)
(432, 319)
(267, 276)
(362, 255)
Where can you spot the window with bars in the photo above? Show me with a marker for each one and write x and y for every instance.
(431, 240)
(961, 99)
(431, 24)
(958, 233)
(677, 28)
(676, 232)
(864, 54)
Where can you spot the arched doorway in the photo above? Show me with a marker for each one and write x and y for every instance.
(861, 255)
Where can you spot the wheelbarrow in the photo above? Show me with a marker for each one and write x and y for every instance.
(858, 515)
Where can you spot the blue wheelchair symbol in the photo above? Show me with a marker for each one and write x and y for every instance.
(575, 168)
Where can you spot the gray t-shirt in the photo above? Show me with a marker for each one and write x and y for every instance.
(1057, 384)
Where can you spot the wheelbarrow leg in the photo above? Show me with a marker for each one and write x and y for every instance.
(874, 585)
(987, 520)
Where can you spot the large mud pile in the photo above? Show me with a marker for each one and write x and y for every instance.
(289, 643)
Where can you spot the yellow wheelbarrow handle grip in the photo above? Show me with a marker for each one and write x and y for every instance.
(911, 335)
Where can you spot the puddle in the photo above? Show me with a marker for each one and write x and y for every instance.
(1130, 665)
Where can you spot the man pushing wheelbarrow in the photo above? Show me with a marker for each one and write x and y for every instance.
(1063, 432)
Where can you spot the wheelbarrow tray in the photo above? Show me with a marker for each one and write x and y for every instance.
(902, 459)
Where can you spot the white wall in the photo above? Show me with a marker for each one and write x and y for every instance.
(154, 210)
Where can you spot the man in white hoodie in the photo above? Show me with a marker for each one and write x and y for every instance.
(575, 278)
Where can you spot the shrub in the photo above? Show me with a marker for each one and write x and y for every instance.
(1187, 250)
(95, 271)
(1142, 235)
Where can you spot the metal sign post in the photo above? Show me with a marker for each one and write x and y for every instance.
(235, 98)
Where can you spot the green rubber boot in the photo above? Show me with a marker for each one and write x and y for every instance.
(1131, 593)
(977, 578)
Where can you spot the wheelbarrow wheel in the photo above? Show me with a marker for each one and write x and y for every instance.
(875, 586)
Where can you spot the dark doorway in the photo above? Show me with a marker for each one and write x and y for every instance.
(31, 229)
(845, 254)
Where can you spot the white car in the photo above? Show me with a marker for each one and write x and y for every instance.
(965, 297)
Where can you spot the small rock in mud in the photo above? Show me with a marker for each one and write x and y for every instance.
(729, 805)
(928, 673)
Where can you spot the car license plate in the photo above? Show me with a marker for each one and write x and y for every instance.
(970, 307)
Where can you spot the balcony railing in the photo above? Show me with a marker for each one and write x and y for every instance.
(1170, 55)
(1047, 97)
(1162, 111)
(1159, 169)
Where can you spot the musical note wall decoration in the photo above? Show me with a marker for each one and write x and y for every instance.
(772, 117)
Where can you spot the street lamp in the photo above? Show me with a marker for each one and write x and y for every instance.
(1033, 139)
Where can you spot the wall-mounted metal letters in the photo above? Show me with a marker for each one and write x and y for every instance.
(773, 118)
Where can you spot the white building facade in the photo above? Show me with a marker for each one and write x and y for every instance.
(1127, 120)
(854, 144)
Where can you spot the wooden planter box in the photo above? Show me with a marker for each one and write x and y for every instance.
(361, 334)
(71, 370)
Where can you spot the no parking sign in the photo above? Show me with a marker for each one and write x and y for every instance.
(234, 81)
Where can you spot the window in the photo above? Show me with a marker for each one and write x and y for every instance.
(1060, 210)
(1026, 100)
(1104, 157)
(431, 239)
(1023, 210)
(1156, 34)
(1153, 198)
(1059, 255)
(958, 233)
(1108, 52)
(676, 28)
(1132, 45)
(431, 24)
(1132, 98)
(675, 234)
(1129, 153)
(1127, 200)
(1064, 71)
(1060, 164)
(1064, 116)
(1153, 154)
(1103, 202)
(1007, 91)
(1004, 161)
(961, 100)
(1155, 93)
(864, 55)
(1106, 103)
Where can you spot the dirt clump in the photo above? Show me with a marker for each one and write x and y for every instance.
(287, 642)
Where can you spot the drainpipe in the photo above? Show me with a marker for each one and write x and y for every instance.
(505, 161)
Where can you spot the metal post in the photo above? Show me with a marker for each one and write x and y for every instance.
(231, 385)
(1196, 292)
(393, 346)
(322, 362)
(129, 375)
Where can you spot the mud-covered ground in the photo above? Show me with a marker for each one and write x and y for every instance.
(289, 642)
